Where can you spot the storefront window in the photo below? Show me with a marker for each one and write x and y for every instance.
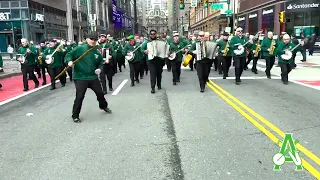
(253, 23)
(268, 19)
(242, 22)
(24, 3)
(15, 13)
(24, 14)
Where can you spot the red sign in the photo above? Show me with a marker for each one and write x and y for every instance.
(311, 82)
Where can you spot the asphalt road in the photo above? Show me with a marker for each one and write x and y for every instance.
(177, 133)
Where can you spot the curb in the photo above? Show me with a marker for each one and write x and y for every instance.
(10, 75)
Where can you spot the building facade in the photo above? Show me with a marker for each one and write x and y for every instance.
(301, 16)
(212, 20)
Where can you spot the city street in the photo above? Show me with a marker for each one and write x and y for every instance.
(228, 132)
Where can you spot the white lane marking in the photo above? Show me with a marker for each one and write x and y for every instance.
(252, 77)
(119, 87)
(26, 93)
(294, 81)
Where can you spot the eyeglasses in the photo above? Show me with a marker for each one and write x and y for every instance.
(153, 34)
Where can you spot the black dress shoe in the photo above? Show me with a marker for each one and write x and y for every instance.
(269, 77)
(141, 77)
(132, 84)
(44, 83)
(202, 90)
(159, 88)
(237, 83)
(63, 85)
(105, 92)
(137, 81)
(52, 88)
(36, 85)
(26, 89)
(107, 110)
(110, 89)
(76, 120)
(153, 91)
(174, 83)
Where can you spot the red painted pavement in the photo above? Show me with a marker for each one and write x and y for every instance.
(13, 86)
(311, 82)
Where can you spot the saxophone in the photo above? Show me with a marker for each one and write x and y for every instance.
(40, 56)
(258, 49)
(226, 49)
(272, 47)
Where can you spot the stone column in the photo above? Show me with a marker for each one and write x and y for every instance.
(69, 20)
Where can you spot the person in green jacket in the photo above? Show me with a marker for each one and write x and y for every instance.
(284, 64)
(144, 66)
(57, 66)
(135, 63)
(155, 65)
(43, 66)
(239, 59)
(26, 55)
(268, 47)
(225, 55)
(175, 46)
(108, 64)
(85, 74)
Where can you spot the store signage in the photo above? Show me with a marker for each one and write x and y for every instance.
(39, 17)
(241, 18)
(303, 5)
(4, 16)
(267, 11)
(253, 15)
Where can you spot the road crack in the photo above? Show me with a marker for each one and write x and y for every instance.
(175, 160)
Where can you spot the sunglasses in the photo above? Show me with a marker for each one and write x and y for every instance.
(153, 34)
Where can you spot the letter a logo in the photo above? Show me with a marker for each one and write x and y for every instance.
(288, 153)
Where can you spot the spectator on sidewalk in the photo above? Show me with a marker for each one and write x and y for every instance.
(312, 42)
(1, 63)
(10, 51)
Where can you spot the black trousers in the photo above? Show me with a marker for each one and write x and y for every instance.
(269, 64)
(220, 60)
(168, 63)
(143, 67)
(38, 70)
(176, 70)
(134, 71)
(226, 63)
(43, 72)
(215, 63)
(239, 63)
(191, 63)
(285, 70)
(121, 61)
(203, 71)
(254, 63)
(156, 69)
(53, 72)
(81, 88)
(28, 70)
(108, 71)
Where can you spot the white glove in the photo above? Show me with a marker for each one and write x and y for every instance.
(97, 71)
(70, 63)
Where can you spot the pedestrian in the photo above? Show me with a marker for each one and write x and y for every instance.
(10, 51)
(1, 63)
(85, 74)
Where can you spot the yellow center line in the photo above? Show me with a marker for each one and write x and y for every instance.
(305, 164)
(266, 122)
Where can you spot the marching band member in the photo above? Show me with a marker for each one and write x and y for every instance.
(43, 66)
(225, 54)
(108, 64)
(154, 65)
(254, 55)
(27, 67)
(112, 42)
(69, 47)
(268, 47)
(136, 62)
(203, 65)
(85, 75)
(119, 56)
(57, 66)
(285, 66)
(144, 66)
(168, 40)
(239, 59)
(175, 46)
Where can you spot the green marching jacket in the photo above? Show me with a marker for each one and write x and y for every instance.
(137, 54)
(85, 68)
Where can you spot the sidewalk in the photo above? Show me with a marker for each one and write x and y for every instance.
(10, 68)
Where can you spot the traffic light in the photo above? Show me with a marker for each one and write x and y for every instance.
(181, 4)
(281, 17)
(205, 3)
